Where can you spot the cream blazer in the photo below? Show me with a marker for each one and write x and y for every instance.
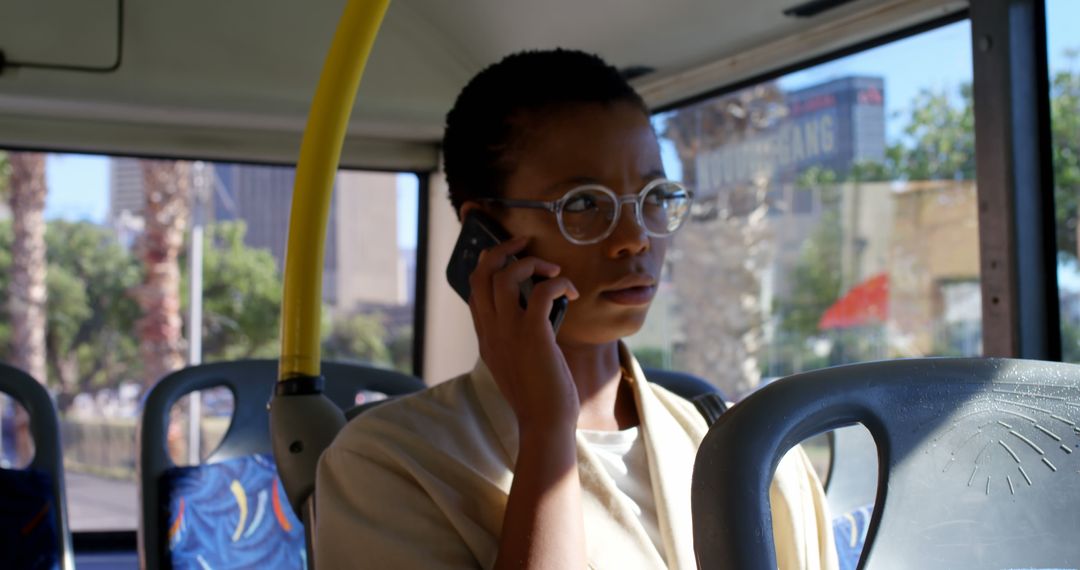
(422, 482)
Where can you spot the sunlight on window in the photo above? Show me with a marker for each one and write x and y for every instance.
(824, 200)
(119, 269)
(1063, 54)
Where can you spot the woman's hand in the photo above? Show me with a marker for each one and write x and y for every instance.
(518, 345)
(543, 526)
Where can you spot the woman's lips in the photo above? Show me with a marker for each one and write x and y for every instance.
(631, 295)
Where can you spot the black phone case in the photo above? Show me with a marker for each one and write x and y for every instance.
(480, 232)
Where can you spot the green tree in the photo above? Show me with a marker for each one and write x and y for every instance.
(241, 296)
(400, 346)
(358, 337)
(1065, 130)
(89, 312)
(653, 357)
(1070, 341)
(939, 143)
(940, 137)
(817, 270)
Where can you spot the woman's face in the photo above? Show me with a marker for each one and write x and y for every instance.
(612, 145)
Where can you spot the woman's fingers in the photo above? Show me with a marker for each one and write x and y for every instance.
(490, 261)
(544, 295)
(507, 282)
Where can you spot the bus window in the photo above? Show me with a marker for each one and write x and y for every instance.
(1063, 45)
(120, 264)
(213, 410)
(16, 445)
(835, 219)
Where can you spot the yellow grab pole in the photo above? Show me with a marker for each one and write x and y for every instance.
(320, 153)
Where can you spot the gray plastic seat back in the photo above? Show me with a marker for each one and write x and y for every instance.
(852, 482)
(48, 454)
(979, 457)
(251, 383)
(686, 385)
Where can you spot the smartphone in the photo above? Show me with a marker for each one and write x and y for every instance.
(479, 232)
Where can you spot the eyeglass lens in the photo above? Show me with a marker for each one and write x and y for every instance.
(588, 213)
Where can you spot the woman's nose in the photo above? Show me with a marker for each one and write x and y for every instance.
(628, 237)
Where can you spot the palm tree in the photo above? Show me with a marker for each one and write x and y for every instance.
(720, 255)
(167, 187)
(27, 290)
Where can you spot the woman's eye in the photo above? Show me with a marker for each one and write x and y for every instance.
(664, 199)
(580, 203)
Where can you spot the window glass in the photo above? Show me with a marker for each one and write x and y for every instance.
(1063, 45)
(119, 244)
(214, 409)
(835, 219)
(16, 443)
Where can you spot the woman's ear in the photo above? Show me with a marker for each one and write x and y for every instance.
(466, 207)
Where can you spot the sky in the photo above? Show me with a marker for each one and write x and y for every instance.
(79, 191)
(949, 50)
(79, 184)
(948, 47)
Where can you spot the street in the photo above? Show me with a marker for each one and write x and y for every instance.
(97, 503)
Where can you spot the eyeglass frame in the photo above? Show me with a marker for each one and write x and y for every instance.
(556, 206)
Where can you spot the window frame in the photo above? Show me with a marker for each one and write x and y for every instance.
(1014, 185)
(123, 540)
(1020, 314)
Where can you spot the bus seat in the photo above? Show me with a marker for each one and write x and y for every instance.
(852, 482)
(686, 385)
(681, 383)
(979, 462)
(33, 510)
(231, 511)
(849, 534)
(850, 489)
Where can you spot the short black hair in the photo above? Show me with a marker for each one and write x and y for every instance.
(487, 118)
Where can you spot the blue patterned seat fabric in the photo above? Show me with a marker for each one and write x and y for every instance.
(231, 514)
(28, 537)
(850, 534)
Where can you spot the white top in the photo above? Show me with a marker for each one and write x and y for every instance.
(622, 454)
(423, 482)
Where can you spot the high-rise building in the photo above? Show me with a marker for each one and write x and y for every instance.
(261, 196)
(834, 125)
(362, 224)
(126, 199)
(772, 138)
(125, 189)
(374, 271)
(842, 123)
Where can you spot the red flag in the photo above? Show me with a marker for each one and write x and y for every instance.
(866, 303)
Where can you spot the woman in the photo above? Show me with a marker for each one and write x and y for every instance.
(554, 452)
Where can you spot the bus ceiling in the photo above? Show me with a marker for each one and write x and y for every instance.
(234, 80)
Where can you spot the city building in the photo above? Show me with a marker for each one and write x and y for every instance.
(374, 271)
(125, 189)
(772, 175)
(833, 125)
(362, 266)
(261, 196)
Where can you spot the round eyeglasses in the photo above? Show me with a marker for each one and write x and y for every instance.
(588, 214)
